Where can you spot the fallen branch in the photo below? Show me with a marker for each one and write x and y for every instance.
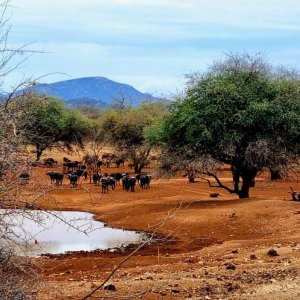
(150, 239)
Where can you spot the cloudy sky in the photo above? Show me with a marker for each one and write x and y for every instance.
(149, 44)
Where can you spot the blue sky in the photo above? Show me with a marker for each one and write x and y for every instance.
(149, 44)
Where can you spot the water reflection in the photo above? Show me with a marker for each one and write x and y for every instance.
(58, 232)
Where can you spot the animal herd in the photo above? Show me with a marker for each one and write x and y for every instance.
(74, 170)
(128, 182)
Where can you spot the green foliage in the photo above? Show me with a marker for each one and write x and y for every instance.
(125, 129)
(46, 122)
(243, 116)
(230, 111)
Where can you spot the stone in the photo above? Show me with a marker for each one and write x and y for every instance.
(110, 287)
(214, 195)
(230, 266)
(272, 252)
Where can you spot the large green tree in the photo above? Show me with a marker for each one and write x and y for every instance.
(46, 123)
(241, 112)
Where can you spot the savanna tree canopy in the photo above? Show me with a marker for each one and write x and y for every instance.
(46, 123)
(242, 112)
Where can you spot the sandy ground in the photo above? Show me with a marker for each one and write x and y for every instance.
(208, 248)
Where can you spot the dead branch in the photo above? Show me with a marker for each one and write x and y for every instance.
(219, 183)
(151, 238)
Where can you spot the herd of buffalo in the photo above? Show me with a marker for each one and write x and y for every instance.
(91, 168)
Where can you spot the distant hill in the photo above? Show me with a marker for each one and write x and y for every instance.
(91, 91)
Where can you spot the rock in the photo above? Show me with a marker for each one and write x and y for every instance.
(272, 252)
(253, 257)
(208, 289)
(214, 195)
(110, 287)
(175, 291)
(230, 266)
(235, 251)
(232, 287)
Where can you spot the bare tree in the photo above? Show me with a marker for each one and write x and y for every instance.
(17, 190)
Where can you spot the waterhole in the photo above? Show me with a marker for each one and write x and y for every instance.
(33, 233)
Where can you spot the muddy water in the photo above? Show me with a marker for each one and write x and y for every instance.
(55, 232)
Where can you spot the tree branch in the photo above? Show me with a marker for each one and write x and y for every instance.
(220, 184)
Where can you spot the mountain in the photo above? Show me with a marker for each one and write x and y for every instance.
(91, 91)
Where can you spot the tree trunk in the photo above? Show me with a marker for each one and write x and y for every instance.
(39, 152)
(138, 168)
(235, 177)
(244, 191)
(191, 178)
(248, 177)
(191, 175)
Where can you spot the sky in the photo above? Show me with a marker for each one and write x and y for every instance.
(149, 44)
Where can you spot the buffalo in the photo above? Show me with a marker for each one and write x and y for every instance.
(96, 178)
(49, 162)
(145, 181)
(117, 176)
(128, 182)
(104, 185)
(73, 179)
(56, 177)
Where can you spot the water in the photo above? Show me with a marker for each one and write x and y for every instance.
(33, 233)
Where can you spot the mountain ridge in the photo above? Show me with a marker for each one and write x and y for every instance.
(99, 91)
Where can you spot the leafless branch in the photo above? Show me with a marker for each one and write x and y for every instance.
(150, 239)
(219, 183)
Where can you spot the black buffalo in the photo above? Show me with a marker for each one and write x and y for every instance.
(71, 165)
(73, 180)
(117, 176)
(49, 162)
(81, 173)
(96, 178)
(128, 183)
(145, 181)
(104, 185)
(111, 182)
(56, 177)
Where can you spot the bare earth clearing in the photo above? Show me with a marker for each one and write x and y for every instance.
(219, 247)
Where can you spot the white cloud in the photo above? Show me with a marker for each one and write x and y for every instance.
(150, 43)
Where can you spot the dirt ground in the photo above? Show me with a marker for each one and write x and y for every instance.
(207, 248)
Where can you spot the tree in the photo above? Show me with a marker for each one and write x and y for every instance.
(242, 112)
(47, 123)
(125, 130)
